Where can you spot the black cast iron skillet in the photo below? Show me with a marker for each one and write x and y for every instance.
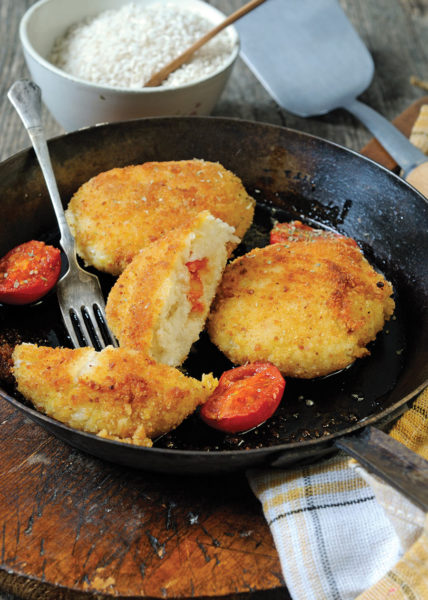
(292, 175)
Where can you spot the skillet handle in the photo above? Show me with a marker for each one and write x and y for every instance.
(393, 462)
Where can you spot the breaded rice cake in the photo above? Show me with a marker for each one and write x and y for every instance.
(161, 301)
(118, 393)
(309, 305)
(120, 211)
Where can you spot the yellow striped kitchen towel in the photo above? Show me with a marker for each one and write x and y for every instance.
(340, 533)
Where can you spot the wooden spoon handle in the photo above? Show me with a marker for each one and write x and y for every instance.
(163, 73)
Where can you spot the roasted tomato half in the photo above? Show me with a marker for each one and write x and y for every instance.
(244, 398)
(28, 272)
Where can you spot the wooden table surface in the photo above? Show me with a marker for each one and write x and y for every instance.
(242, 551)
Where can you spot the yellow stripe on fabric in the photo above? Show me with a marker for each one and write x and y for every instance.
(298, 528)
(412, 428)
(277, 480)
(314, 574)
(301, 562)
(321, 489)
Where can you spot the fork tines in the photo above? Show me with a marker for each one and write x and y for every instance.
(82, 307)
(87, 327)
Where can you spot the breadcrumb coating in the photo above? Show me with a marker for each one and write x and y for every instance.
(159, 304)
(118, 393)
(309, 305)
(118, 212)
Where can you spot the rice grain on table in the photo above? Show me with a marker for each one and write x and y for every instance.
(126, 46)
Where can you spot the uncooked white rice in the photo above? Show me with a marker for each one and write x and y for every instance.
(125, 47)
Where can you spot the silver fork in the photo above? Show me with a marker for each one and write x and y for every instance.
(79, 292)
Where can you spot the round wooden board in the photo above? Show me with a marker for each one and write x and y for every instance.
(73, 524)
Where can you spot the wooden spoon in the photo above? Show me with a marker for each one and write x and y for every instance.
(163, 73)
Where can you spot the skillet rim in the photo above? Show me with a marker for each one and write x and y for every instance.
(368, 421)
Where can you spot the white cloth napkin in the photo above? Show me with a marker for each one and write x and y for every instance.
(332, 537)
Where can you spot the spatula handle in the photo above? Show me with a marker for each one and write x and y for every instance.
(409, 158)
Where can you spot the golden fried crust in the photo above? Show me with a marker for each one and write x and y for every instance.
(118, 393)
(135, 301)
(309, 306)
(120, 211)
(148, 308)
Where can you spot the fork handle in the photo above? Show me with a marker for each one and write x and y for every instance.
(26, 97)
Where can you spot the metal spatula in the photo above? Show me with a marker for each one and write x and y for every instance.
(311, 60)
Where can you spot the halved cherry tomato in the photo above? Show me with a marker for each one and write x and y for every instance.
(28, 272)
(244, 398)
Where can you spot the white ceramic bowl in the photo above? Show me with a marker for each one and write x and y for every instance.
(76, 103)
